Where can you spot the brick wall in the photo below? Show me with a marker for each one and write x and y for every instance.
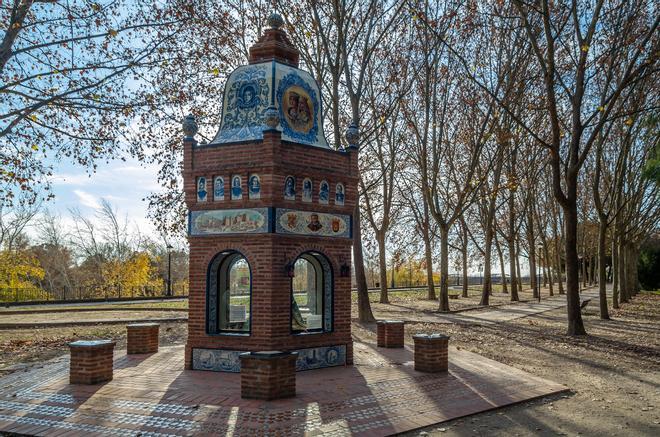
(389, 333)
(268, 254)
(91, 362)
(431, 352)
(268, 376)
(142, 338)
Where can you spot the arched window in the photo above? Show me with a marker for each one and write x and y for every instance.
(229, 299)
(311, 294)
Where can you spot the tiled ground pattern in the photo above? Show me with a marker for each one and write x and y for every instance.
(152, 395)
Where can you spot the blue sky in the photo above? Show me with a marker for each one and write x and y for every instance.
(123, 183)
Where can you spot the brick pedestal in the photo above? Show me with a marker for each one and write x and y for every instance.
(431, 352)
(268, 375)
(142, 338)
(390, 333)
(91, 361)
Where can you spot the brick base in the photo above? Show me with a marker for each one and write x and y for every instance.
(431, 352)
(390, 333)
(268, 375)
(142, 338)
(91, 361)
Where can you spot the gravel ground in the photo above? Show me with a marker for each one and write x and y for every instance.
(24, 347)
(410, 301)
(83, 316)
(613, 374)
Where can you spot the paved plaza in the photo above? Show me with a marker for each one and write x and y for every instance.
(152, 395)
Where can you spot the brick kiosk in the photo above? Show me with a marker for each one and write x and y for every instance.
(270, 221)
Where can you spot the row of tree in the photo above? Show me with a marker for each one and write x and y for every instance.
(94, 257)
(494, 130)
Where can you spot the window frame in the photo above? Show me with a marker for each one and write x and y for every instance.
(219, 271)
(319, 259)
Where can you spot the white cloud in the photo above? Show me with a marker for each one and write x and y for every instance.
(87, 199)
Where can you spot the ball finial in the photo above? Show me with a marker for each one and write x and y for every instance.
(272, 117)
(189, 126)
(275, 21)
(352, 136)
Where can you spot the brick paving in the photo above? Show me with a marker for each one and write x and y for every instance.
(152, 395)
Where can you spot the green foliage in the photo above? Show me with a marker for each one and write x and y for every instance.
(649, 267)
(652, 166)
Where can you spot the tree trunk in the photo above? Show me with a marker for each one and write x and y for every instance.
(556, 237)
(573, 310)
(584, 271)
(502, 267)
(382, 264)
(634, 271)
(518, 275)
(544, 274)
(602, 281)
(631, 273)
(551, 278)
(615, 273)
(464, 249)
(623, 282)
(444, 268)
(531, 251)
(487, 286)
(512, 269)
(429, 264)
(364, 307)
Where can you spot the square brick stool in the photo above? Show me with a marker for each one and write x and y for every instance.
(91, 361)
(390, 333)
(268, 375)
(142, 338)
(431, 352)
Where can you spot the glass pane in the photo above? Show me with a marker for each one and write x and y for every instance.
(235, 301)
(307, 300)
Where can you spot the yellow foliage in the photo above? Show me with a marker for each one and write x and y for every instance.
(136, 271)
(18, 268)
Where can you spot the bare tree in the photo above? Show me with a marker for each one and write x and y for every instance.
(66, 72)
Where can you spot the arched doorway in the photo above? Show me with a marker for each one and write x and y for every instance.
(229, 295)
(311, 294)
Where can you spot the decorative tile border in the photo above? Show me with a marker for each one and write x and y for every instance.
(320, 357)
(310, 223)
(222, 360)
(229, 221)
(217, 360)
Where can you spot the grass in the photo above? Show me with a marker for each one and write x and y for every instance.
(174, 304)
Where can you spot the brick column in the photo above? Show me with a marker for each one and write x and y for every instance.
(268, 375)
(431, 352)
(91, 361)
(390, 333)
(142, 338)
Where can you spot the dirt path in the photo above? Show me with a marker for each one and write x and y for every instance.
(614, 373)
